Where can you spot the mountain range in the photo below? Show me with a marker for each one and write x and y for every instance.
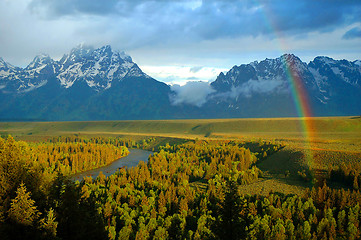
(103, 84)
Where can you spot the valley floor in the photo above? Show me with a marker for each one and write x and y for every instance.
(332, 140)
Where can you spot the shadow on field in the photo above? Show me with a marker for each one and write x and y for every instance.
(284, 166)
(284, 160)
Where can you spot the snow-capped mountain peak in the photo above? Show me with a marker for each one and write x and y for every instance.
(97, 84)
(323, 77)
(289, 57)
(292, 63)
(39, 61)
(98, 68)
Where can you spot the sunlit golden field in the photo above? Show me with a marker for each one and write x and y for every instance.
(333, 140)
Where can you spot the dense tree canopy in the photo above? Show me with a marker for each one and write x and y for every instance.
(184, 191)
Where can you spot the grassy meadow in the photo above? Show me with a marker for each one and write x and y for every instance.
(347, 129)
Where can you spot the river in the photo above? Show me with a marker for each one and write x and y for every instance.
(131, 160)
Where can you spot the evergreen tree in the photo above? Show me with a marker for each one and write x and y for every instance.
(23, 209)
(231, 224)
(49, 223)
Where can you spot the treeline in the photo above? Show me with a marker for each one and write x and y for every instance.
(116, 141)
(70, 158)
(162, 199)
(346, 174)
(204, 160)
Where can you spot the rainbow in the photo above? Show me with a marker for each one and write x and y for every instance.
(303, 107)
(299, 93)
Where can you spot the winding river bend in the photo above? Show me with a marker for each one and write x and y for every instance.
(131, 160)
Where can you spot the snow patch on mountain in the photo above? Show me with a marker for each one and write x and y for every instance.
(32, 87)
(321, 81)
(99, 67)
(4, 73)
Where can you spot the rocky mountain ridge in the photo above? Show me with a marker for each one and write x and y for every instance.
(103, 84)
(327, 83)
(97, 67)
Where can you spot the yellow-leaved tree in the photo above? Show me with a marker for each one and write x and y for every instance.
(23, 209)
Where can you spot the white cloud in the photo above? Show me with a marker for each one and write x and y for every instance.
(193, 93)
(252, 86)
(182, 74)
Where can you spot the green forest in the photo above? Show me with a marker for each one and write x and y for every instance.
(186, 190)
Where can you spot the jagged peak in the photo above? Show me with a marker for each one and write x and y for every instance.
(3, 63)
(107, 49)
(289, 57)
(39, 60)
(254, 63)
(42, 58)
(235, 67)
(104, 49)
(81, 50)
(324, 59)
(124, 56)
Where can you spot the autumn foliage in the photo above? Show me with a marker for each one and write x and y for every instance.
(184, 191)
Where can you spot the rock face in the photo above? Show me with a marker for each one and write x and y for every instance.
(102, 84)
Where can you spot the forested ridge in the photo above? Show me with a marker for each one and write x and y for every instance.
(184, 191)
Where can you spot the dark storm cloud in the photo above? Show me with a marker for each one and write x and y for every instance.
(209, 33)
(353, 33)
(55, 8)
(213, 19)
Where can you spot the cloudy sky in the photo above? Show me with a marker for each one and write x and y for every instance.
(182, 40)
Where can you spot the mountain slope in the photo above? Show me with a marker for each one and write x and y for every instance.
(338, 86)
(102, 84)
(86, 84)
(273, 87)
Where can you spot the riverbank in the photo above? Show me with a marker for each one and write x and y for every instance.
(131, 160)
